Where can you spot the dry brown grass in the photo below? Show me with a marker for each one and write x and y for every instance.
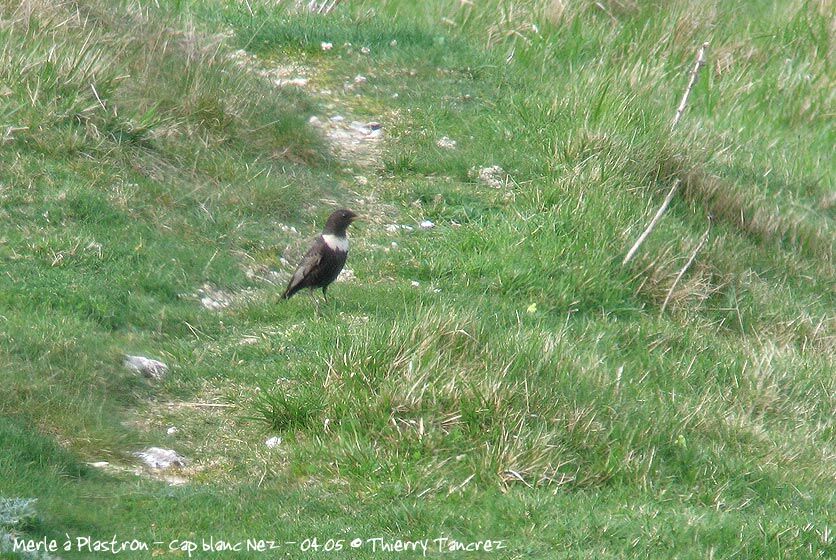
(749, 211)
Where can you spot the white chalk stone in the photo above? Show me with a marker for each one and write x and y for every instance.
(153, 369)
(159, 458)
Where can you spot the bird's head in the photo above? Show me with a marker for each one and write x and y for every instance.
(339, 221)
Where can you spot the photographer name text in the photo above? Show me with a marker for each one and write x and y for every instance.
(114, 545)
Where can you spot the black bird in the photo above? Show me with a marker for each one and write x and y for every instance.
(325, 259)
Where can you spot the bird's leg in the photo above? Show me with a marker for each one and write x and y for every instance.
(316, 302)
(324, 294)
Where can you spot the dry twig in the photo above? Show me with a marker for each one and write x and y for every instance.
(652, 223)
(693, 80)
(684, 268)
(681, 109)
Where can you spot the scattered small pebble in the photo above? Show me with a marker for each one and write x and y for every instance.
(357, 126)
(240, 57)
(446, 143)
(393, 43)
(297, 82)
(326, 46)
(493, 176)
(214, 299)
(337, 118)
(172, 430)
(159, 458)
(365, 50)
(415, 283)
(211, 304)
(273, 442)
(153, 369)
(395, 228)
(361, 180)
(358, 79)
(347, 275)
(426, 224)
(264, 273)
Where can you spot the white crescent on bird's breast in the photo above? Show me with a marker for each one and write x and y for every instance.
(336, 243)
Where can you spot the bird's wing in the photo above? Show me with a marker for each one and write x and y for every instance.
(308, 269)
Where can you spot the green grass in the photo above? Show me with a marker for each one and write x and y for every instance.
(529, 388)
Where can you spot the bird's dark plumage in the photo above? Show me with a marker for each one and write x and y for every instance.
(325, 259)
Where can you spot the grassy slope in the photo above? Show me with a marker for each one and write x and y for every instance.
(591, 424)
